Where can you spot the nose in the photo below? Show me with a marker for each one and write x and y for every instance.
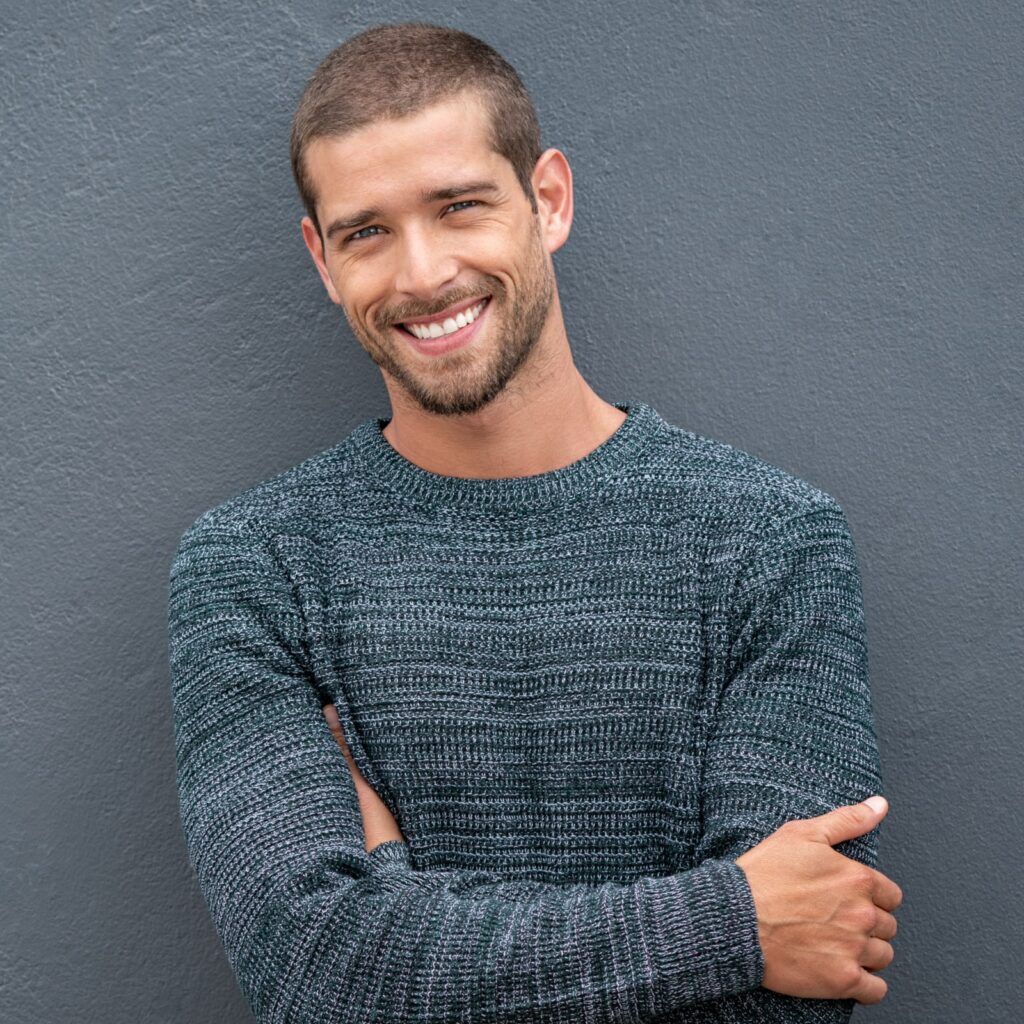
(425, 265)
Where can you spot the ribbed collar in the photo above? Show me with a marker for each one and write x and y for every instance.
(383, 464)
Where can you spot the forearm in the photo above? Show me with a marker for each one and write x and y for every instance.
(755, 1005)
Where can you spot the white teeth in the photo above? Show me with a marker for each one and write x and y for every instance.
(436, 330)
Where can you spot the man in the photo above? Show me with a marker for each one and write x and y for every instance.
(599, 683)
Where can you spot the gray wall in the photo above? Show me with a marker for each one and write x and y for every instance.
(798, 230)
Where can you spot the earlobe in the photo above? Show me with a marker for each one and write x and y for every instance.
(311, 237)
(552, 185)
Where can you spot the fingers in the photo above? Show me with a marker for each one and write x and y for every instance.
(877, 954)
(868, 988)
(885, 927)
(886, 893)
(379, 824)
(331, 714)
(848, 821)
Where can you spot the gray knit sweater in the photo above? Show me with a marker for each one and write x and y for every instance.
(582, 694)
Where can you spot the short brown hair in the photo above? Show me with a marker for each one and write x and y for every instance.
(390, 71)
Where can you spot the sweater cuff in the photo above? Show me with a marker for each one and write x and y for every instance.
(704, 936)
(390, 856)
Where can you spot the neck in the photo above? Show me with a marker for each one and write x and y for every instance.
(548, 417)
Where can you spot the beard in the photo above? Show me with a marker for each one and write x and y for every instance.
(469, 378)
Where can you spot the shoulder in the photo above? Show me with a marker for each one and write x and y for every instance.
(298, 500)
(735, 487)
(761, 522)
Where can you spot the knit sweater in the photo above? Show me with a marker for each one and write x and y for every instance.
(581, 693)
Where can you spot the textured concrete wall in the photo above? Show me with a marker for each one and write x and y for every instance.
(798, 230)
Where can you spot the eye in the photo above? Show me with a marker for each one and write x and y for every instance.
(357, 234)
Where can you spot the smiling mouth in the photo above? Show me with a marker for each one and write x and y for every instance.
(446, 322)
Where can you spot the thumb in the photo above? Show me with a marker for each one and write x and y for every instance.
(850, 820)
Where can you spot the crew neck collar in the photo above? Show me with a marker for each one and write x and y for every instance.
(384, 464)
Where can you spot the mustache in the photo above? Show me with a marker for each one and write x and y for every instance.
(402, 313)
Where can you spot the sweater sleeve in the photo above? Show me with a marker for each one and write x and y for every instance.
(317, 930)
(793, 735)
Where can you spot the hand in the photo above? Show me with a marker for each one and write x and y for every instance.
(379, 824)
(824, 919)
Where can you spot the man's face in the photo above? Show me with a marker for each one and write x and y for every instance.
(417, 255)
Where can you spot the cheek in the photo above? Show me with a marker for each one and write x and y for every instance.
(498, 259)
(362, 299)
(493, 245)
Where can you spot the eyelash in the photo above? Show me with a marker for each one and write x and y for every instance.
(355, 237)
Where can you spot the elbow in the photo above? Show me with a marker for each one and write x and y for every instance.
(293, 955)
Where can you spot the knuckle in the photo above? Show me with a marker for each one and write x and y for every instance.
(864, 918)
(862, 878)
(886, 927)
(849, 979)
(790, 827)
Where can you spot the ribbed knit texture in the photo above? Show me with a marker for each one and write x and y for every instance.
(582, 694)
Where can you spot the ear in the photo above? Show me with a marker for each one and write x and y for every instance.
(311, 237)
(552, 185)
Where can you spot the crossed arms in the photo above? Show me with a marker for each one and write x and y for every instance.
(323, 924)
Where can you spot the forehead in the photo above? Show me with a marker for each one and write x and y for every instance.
(390, 162)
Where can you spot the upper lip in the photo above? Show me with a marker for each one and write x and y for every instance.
(444, 314)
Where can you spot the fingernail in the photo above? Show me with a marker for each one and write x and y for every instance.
(876, 803)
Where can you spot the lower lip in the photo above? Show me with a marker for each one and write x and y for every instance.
(447, 342)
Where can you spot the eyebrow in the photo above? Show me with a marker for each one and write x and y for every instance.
(429, 196)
